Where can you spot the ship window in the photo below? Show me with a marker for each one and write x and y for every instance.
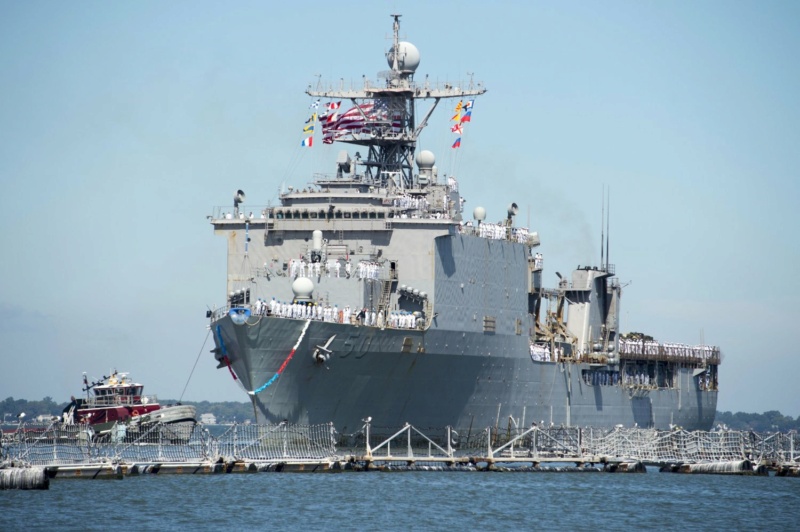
(338, 214)
(347, 215)
(372, 215)
(279, 215)
(356, 215)
(322, 215)
(313, 215)
(381, 215)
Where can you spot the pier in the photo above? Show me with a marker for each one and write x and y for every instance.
(74, 451)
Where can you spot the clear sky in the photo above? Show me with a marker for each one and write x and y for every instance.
(123, 124)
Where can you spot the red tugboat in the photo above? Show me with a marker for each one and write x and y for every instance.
(116, 400)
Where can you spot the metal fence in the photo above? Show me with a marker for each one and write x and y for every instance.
(75, 444)
(59, 445)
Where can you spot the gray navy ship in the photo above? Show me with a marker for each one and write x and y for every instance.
(371, 294)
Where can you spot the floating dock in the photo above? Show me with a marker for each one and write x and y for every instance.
(58, 452)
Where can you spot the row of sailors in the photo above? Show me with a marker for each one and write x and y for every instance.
(541, 353)
(369, 270)
(397, 319)
(240, 216)
(410, 202)
(301, 268)
(638, 379)
(648, 347)
(601, 378)
(499, 231)
(364, 269)
(612, 378)
(492, 231)
(434, 215)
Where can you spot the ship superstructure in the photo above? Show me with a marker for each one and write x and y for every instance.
(369, 294)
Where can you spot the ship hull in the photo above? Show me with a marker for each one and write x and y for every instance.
(435, 379)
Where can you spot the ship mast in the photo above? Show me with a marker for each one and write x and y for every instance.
(390, 129)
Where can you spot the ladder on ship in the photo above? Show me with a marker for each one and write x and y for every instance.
(386, 294)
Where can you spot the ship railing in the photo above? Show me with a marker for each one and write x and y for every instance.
(336, 317)
(648, 350)
(250, 212)
(492, 231)
(121, 400)
(664, 357)
(366, 88)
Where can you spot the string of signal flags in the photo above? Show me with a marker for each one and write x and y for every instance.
(460, 119)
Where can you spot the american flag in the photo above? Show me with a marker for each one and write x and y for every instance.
(364, 118)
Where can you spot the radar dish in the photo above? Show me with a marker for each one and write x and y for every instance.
(407, 57)
(479, 214)
(302, 288)
(425, 159)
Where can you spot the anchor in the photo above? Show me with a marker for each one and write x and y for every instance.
(322, 354)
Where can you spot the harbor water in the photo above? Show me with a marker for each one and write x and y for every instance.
(408, 501)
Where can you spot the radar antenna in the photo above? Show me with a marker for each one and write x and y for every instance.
(386, 113)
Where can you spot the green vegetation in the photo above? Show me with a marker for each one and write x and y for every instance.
(772, 421)
(229, 411)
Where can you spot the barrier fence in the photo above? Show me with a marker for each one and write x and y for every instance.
(59, 445)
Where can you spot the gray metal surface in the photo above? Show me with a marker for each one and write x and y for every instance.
(487, 343)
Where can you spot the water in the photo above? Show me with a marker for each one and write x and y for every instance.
(408, 501)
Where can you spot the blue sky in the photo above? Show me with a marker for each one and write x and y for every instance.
(123, 124)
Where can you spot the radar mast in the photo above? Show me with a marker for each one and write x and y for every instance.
(387, 112)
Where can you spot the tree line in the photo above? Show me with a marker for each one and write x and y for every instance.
(230, 411)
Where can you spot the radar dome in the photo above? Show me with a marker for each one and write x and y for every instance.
(479, 214)
(302, 288)
(426, 159)
(407, 57)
